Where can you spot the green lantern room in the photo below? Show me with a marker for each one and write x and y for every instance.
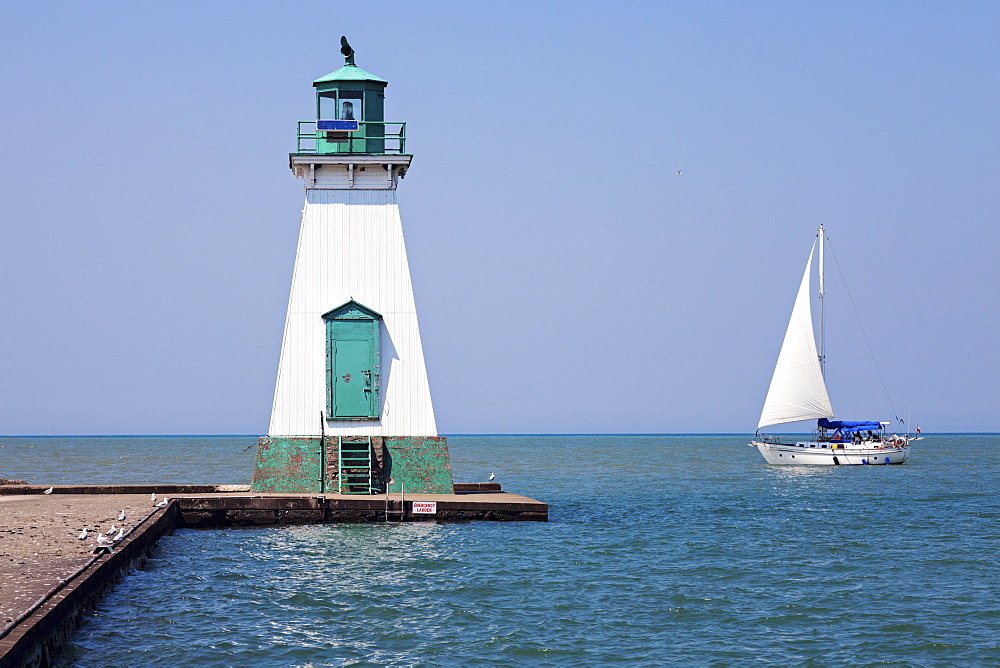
(350, 114)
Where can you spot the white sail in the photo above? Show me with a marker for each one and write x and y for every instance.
(797, 390)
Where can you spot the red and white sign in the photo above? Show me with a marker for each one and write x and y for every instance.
(425, 507)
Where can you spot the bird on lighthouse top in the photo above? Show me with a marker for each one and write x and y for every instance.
(346, 49)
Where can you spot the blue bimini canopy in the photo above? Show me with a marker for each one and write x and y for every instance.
(845, 425)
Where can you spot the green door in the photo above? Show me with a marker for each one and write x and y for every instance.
(352, 379)
(352, 358)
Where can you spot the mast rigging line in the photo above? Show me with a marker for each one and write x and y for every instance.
(864, 335)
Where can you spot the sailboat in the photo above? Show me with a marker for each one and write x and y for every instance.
(798, 392)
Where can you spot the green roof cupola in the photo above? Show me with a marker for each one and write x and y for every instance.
(350, 113)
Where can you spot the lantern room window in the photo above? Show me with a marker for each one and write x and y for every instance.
(345, 105)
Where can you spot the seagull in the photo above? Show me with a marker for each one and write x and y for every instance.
(152, 497)
(83, 534)
(492, 477)
(119, 535)
(162, 504)
(678, 171)
(48, 491)
(112, 530)
(104, 541)
(121, 516)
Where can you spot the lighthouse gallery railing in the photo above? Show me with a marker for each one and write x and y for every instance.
(393, 142)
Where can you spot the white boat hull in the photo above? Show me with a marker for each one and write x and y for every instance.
(816, 453)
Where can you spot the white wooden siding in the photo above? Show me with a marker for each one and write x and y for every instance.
(351, 247)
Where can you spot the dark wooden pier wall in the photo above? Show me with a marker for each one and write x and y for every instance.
(37, 639)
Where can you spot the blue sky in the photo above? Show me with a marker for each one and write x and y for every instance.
(566, 278)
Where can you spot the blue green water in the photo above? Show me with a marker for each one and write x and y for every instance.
(660, 549)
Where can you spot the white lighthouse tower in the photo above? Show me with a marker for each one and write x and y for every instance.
(352, 408)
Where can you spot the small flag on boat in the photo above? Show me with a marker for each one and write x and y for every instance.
(918, 429)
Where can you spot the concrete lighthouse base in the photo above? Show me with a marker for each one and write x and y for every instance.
(311, 464)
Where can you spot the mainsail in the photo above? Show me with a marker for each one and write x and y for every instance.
(797, 390)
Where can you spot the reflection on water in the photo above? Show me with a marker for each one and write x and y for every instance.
(800, 472)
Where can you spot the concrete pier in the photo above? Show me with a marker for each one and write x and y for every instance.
(50, 577)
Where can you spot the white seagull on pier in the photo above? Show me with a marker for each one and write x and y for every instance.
(492, 477)
(161, 504)
(119, 535)
(49, 490)
(121, 516)
(83, 534)
(152, 497)
(104, 541)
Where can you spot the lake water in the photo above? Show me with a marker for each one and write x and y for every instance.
(660, 549)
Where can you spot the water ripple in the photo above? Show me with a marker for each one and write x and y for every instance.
(689, 550)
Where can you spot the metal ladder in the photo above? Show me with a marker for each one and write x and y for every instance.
(354, 470)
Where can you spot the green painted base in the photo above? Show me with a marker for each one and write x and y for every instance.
(413, 464)
(287, 464)
(418, 464)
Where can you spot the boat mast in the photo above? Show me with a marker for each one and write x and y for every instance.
(822, 342)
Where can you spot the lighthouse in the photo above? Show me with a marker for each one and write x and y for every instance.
(352, 408)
